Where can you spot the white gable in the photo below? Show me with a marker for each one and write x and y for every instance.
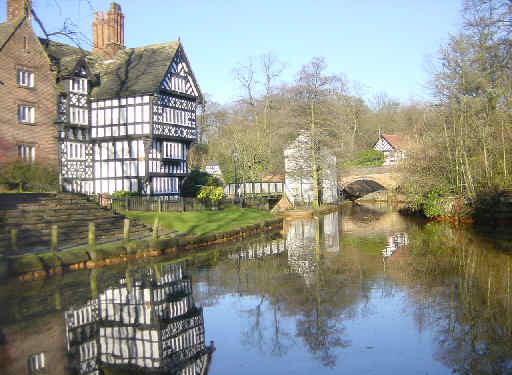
(179, 77)
(383, 145)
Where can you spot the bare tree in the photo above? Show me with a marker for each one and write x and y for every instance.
(272, 69)
(314, 86)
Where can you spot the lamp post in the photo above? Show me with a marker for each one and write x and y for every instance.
(235, 161)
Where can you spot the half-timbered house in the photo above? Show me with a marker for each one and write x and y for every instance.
(392, 145)
(125, 118)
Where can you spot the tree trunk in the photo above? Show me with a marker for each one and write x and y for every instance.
(314, 171)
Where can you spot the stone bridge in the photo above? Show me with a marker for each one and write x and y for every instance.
(358, 182)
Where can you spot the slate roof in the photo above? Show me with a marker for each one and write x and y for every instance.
(8, 28)
(134, 71)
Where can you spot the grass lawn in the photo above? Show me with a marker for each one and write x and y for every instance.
(202, 222)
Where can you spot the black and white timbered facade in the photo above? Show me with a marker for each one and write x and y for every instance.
(147, 321)
(125, 123)
(391, 145)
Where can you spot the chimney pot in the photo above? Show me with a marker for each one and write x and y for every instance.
(108, 31)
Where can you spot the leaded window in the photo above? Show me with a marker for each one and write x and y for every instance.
(25, 78)
(27, 153)
(26, 113)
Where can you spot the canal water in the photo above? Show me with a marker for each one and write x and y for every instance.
(362, 291)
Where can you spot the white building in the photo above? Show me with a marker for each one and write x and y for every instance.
(298, 173)
(213, 169)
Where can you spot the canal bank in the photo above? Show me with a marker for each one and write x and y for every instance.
(486, 208)
(34, 266)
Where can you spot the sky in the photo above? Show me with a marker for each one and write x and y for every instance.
(384, 46)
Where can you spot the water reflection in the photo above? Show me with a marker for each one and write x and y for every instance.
(316, 298)
(306, 239)
(396, 241)
(147, 322)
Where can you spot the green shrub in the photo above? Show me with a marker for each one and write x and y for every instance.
(210, 194)
(28, 177)
(431, 203)
(195, 180)
(365, 158)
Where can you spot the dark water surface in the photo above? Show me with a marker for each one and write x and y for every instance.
(365, 291)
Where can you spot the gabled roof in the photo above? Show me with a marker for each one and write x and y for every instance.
(8, 28)
(134, 70)
(60, 51)
(395, 140)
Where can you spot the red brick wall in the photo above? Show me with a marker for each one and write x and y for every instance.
(42, 134)
(15, 8)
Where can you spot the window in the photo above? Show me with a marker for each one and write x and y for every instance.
(78, 85)
(26, 153)
(79, 115)
(76, 151)
(25, 78)
(26, 114)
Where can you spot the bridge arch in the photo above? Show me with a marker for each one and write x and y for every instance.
(359, 188)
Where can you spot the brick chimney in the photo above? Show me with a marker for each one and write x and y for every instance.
(108, 31)
(16, 8)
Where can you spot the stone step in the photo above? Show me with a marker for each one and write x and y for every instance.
(49, 210)
(44, 242)
(72, 230)
(34, 214)
(36, 221)
(60, 216)
(63, 223)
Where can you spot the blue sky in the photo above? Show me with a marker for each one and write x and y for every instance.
(383, 45)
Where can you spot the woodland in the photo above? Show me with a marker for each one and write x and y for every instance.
(458, 142)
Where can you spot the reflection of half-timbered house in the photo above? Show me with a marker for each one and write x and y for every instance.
(147, 322)
(395, 242)
(259, 249)
(125, 117)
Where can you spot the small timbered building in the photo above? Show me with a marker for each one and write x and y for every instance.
(392, 147)
(125, 118)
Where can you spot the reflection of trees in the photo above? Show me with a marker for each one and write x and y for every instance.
(319, 300)
(461, 287)
(319, 325)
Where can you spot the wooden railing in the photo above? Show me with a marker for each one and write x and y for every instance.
(259, 188)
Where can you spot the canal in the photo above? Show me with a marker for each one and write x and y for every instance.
(362, 291)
